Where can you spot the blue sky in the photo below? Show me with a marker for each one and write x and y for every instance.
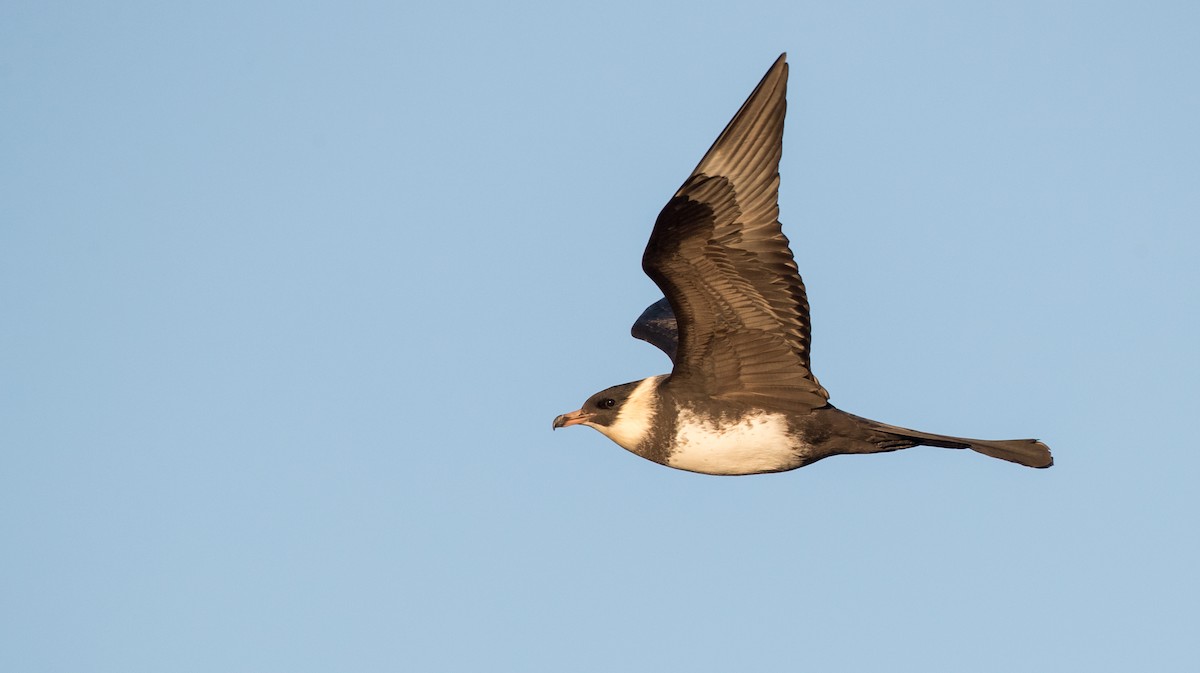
(292, 291)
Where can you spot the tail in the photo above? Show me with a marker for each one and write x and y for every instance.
(1029, 452)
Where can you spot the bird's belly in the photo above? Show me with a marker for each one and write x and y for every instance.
(752, 443)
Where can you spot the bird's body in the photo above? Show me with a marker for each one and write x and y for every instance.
(694, 434)
(741, 398)
(712, 436)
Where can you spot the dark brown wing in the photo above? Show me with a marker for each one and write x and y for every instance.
(721, 259)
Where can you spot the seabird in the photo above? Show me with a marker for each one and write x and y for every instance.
(741, 397)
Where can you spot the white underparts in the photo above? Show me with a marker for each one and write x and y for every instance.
(748, 445)
(636, 417)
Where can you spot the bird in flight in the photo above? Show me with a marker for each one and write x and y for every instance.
(741, 397)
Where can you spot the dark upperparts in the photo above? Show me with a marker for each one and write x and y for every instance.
(719, 255)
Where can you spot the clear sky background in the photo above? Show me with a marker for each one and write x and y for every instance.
(290, 293)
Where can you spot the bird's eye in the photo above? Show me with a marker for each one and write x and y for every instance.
(607, 403)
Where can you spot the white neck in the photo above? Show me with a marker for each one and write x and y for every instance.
(636, 416)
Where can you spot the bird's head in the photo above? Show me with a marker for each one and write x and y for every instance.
(624, 413)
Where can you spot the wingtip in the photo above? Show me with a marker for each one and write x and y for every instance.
(779, 64)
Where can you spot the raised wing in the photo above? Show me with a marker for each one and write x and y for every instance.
(657, 325)
(720, 257)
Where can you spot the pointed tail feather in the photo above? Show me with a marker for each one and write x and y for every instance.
(1029, 452)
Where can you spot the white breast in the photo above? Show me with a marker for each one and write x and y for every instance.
(756, 443)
